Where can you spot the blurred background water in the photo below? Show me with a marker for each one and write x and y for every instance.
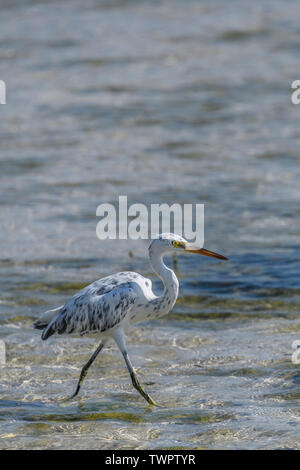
(163, 101)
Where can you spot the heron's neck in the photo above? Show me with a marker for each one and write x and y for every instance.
(166, 301)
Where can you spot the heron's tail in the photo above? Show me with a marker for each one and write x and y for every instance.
(49, 330)
(46, 318)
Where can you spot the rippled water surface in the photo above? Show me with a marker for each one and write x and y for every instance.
(172, 101)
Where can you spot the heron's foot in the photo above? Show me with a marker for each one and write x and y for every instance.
(67, 399)
(75, 393)
(71, 397)
(81, 379)
(138, 387)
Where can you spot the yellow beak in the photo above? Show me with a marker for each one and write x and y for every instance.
(203, 251)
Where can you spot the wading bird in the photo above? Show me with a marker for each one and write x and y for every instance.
(112, 304)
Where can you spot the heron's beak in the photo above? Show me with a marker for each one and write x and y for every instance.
(203, 251)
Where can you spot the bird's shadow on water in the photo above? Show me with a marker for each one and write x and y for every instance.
(89, 410)
(78, 409)
(121, 408)
(122, 404)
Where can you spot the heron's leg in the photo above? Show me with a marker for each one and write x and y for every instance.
(120, 340)
(85, 368)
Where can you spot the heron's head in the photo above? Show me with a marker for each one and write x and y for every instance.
(172, 243)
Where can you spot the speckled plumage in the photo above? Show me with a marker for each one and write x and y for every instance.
(117, 300)
(100, 306)
(110, 305)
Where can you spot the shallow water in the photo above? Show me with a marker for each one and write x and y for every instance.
(174, 101)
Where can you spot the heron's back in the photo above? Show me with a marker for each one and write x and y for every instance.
(100, 306)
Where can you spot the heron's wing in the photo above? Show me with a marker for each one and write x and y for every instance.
(89, 312)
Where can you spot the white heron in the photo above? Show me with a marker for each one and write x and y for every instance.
(112, 304)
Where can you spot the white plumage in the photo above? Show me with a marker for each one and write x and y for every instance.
(109, 306)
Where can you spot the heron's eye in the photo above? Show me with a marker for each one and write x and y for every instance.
(178, 244)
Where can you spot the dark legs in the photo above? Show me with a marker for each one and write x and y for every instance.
(119, 337)
(86, 368)
(120, 340)
(135, 381)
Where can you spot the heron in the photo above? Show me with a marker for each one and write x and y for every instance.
(111, 305)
